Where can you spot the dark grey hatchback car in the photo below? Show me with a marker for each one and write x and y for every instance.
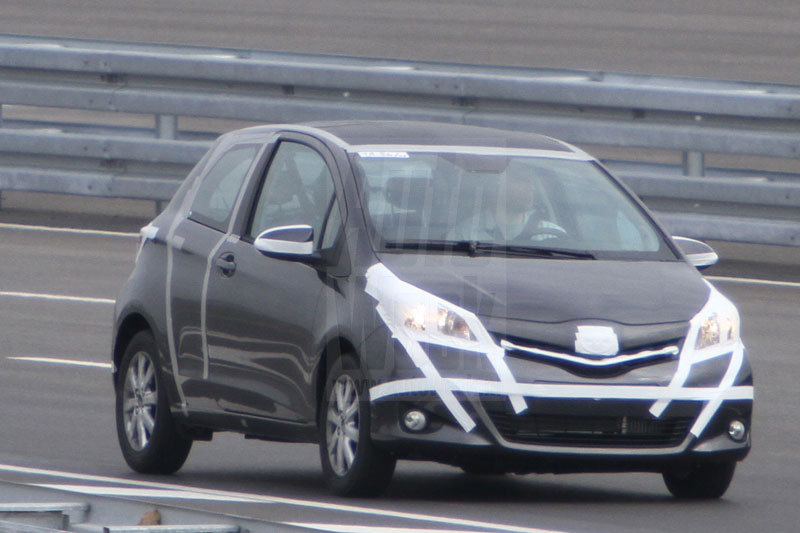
(395, 290)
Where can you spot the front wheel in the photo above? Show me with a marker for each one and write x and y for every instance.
(352, 465)
(700, 480)
(148, 435)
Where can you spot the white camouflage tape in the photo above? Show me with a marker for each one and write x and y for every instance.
(553, 390)
(420, 358)
(691, 356)
(390, 292)
(381, 281)
(147, 233)
(230, 238)
(175, 242)
(727, 384)
(497, 359)
(204, 304)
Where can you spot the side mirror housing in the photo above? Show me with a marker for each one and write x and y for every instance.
(699, 254)
(286, 242)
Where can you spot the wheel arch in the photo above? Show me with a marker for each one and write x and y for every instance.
(128, 328)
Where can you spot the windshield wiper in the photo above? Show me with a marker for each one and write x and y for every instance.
(473, 248)
(468, 247)
(542, 251)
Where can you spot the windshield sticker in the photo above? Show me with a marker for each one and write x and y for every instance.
(387, 155)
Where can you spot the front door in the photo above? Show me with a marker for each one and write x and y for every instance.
(261, 313)
(192, 242)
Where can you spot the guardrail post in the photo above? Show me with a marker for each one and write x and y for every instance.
(166, 126)
(694, 164)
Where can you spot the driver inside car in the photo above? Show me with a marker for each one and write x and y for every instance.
(510, 218)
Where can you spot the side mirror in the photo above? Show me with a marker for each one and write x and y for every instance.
(289, 242)
(699, 254)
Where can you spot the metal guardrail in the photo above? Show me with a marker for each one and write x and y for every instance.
(38, 509)
(690, 116)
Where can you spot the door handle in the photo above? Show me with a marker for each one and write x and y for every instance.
(226, 264)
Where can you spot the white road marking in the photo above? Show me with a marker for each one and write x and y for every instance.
(74, 231)
(129, 492)
(56, 297)
(56, 361)
(754, 281)
(311, 504)
(352, 528)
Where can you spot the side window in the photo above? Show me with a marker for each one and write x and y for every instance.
(217, 194)
(298, 189)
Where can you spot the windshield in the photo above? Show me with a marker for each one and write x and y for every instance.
(467, 202)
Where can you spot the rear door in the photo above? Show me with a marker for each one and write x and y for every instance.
(261, 314)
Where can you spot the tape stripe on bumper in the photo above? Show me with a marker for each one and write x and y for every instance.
(538, 390)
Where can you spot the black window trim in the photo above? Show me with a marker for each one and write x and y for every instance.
(256, 182)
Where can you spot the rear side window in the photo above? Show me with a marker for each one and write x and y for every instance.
(213, 205)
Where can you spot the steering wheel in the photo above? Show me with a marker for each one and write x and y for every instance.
(546, 230)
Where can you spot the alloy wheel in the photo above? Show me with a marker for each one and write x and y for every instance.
(140, 400)
(342, 424)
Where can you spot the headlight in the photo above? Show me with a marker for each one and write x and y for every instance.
(717, 323)
(717, 330)
(425, 317)
(429, 320)
(451, 323)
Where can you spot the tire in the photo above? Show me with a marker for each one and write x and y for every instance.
(148, 435)
(700, 481)
(351, 464)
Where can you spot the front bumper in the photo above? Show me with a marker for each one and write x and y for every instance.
(637, 419)
(561, 435)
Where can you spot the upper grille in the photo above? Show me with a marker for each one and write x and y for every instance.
(588, 364)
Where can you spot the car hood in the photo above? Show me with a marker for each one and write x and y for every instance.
(558, 290)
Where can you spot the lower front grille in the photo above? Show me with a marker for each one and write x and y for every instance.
(594, 431)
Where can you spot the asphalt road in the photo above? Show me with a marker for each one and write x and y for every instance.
(733, 39)
(60, 417)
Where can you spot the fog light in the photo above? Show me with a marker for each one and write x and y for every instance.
(737, 431)
(415, 420)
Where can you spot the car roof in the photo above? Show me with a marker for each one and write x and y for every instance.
(396, 132)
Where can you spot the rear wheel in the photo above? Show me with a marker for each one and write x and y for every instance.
(352, 465)
(700, 480)
(148, 435)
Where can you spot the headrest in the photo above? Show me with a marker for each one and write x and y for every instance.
(407, 192)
